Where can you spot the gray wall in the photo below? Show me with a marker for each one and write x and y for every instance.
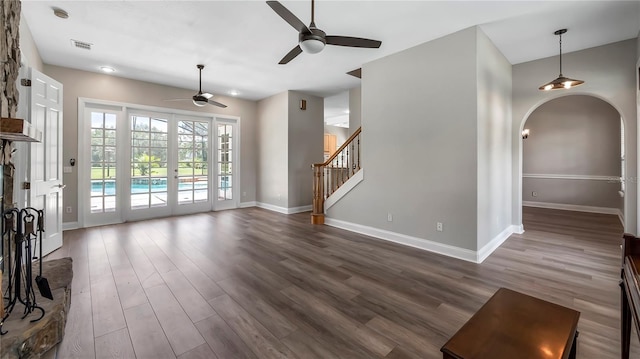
(494, 140)
(355, 109)
(573, 135)
(289, 142)
(273, 148)
(421, 168)
(638, 47)
(592, 193)
(306, 129)
(105, 87)
(609, 73)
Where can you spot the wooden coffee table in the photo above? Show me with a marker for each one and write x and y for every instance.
(515, 325)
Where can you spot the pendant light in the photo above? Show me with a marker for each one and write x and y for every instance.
(561, 82)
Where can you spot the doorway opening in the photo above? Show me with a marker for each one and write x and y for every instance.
(573, 156)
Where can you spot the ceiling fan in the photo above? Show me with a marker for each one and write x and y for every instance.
(311, 39)
(201, 98)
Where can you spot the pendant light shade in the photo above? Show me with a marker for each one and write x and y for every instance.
(561, 82)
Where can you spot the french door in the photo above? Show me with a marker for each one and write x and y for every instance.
(226, 132)
(148, 164)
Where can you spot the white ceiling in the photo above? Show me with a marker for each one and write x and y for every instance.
(241, 42)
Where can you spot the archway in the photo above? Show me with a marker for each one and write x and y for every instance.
(572, 157)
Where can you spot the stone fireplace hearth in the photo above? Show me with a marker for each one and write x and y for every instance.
(32, 340)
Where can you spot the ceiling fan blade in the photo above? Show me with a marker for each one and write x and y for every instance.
(216, 103)
(353, 42)
(291, 55)
(288, 16)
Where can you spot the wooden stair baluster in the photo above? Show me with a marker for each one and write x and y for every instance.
(326, 184)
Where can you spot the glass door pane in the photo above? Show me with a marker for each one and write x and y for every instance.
(149, 151)
(103, 162)
(225, 161)
(193, 157)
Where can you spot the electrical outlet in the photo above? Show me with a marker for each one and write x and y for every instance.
(68, 209)
(244, 194)
(389, 217)
(439, 227)
(534, 194)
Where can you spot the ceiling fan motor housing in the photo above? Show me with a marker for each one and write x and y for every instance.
(200, 100)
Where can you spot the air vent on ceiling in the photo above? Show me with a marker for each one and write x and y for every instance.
(81, 44)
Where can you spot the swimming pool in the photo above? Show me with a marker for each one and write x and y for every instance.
(143, 185)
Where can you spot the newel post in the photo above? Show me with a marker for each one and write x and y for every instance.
(317, 216)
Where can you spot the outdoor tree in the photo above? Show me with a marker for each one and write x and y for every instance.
(145, 163)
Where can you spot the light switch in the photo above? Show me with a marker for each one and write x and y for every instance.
(67, 169)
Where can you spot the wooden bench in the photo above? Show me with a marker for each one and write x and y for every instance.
(515, 325)
(630, 290)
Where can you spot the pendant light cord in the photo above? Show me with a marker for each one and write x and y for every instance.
(560, 55)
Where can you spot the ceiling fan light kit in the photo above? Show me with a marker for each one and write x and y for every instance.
(561, 82)
(200, 102)
(201, 98)
(313, 40)
(312, 45)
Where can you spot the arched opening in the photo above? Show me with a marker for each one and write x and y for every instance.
(573, 156)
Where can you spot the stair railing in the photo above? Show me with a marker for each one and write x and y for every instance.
(333, 173)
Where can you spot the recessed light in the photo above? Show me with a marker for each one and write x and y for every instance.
(234, 93)
(346, 111)
(107, 69)
(60, 13)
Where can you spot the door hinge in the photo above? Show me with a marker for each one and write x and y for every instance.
(25, 82)
(26, 185)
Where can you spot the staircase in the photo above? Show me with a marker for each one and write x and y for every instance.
(333, 173)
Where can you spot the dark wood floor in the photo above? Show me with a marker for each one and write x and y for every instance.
(252, 283)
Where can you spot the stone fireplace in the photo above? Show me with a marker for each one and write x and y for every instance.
(24, 339)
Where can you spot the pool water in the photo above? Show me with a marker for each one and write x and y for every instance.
(142, 186)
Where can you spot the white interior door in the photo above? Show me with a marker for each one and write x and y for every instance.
(45, 172)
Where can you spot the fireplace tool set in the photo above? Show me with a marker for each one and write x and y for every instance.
(21, 228)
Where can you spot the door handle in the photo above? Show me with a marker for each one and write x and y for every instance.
(61, 186)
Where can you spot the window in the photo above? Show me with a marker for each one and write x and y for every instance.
(103, 162)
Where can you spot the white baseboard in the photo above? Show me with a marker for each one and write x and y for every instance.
(621, 217)
(425, 244)
(488, 248)
(518, 228)
(67, 226)
(344, 189)
(284, 210)
(248, 204)
(571, 207)
(577, 208)
(300, 209)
